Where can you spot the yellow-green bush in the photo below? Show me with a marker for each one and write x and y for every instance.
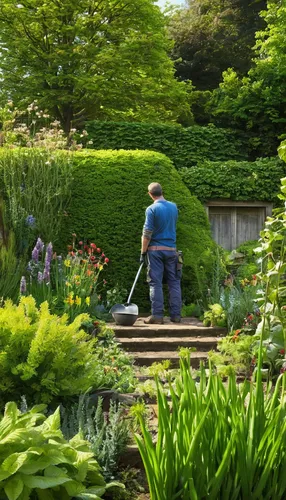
(44, 358)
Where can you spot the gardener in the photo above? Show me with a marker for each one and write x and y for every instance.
(159, 252)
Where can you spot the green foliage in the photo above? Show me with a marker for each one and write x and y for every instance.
(184, 146)
(236, 180)
(250, 266)
(216, 316)
(236, 353)
(37, 462)
(109, 198)
(213, 35)
(35, 182)
(189, 310)
(80, 59)
(238, 301)
(106, 432)
(256, 103)
(46, 359)
(214, 433)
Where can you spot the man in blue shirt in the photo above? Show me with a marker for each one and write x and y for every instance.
(159, 250)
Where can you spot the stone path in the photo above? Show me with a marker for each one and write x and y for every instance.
(151, 343)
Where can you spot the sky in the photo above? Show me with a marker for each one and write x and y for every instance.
(162, 3)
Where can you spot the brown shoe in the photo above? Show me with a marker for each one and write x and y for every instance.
(176, 319)
(154, 320)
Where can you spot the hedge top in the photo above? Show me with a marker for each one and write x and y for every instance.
(186, 147)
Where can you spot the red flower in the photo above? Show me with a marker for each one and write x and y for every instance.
(98, 250)
(106, 260)
(92, 257)
(282, 351)
(80, 243)
(79, 251)
(102, 255)
(93, 245)
(85, 247)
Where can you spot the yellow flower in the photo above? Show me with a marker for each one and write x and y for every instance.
(87, 300)
(78, 300)
(68, 284)
(67, 263)
(69, 300)
(100, 267)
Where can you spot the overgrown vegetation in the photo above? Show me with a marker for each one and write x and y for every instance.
(203, 446)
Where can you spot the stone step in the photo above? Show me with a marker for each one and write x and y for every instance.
(189, 327)
(144, 344)
(149, 357)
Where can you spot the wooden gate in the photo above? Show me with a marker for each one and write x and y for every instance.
(233, 223)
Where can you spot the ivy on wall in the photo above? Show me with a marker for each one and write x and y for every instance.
(258, 180)
(184, 146)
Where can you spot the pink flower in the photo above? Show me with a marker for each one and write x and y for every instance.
(80, 243)
(98, 250)
(106, 260)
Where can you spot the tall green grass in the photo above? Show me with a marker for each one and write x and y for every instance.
(217, 440)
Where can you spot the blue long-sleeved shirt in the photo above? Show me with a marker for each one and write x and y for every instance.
(161, 220)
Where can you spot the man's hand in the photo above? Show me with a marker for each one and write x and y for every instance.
(143, 258)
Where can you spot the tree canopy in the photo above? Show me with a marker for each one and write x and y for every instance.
(104, 59)
(257, 102)
(213, 35)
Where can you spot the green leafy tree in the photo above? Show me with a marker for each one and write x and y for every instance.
(83, 59)
(257, 102)
(213, 35)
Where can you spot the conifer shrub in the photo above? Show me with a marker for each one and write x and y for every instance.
(108, 203)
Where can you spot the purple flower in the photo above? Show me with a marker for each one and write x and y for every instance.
(48, 260)
(40, 277)
(35, 254)
(23, 285)
(30, 221)
(39, 245)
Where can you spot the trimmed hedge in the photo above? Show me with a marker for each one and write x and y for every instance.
(184, 146)
(258, 180)
(109, 198)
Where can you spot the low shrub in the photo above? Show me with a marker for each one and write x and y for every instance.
(37, 462)
(48, 360)
(107, 432)
(236, 180)
(186, 147)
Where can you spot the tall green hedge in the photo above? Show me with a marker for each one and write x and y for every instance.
(258, 180)
(108, 202)
(184, 146)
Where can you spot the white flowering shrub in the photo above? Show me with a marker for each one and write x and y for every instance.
(34, 128)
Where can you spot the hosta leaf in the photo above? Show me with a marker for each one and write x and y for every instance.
(4, 474)
(36, 465)
(14, 487)
(11, 410)
(43, 482)
(15, 461)
(53, 421)
(74, 488)
(54, 471)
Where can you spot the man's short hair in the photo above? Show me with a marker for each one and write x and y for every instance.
(155, 189)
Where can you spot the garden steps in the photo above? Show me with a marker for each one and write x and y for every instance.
(154, 343)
